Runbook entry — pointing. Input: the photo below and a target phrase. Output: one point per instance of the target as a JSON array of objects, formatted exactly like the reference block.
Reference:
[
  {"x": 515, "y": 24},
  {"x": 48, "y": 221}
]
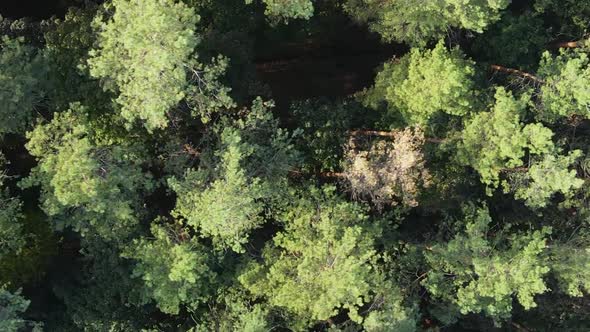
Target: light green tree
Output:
[
  {"x": 22, "y": 77},
  {"x": 321, "y": 263},
  {"x": 391, "y": 314},
  {"x": 570, "y": 263},
  {"x": 290, "y": 9},
  {"x": 86, "y": 184},
  {"x": 145, "y": 54},
  {"x": 425, "y": 82},
  {"x": 564, "y": 91},
  {"x": 405, "y": 21},
  {"x": 550, "y": 175},
  {"x": 497, "y": 140},
  {"x": 173, "y": 269},
  {"x": 225, "y": 198},
  {"x": 482, "y": 273},
  {"x": 225, "y": 210}
]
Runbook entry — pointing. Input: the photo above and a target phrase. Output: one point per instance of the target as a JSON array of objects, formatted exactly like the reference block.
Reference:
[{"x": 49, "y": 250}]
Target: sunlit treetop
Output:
[
  {"x": 88, "y": 185},
  {"x": 321, "y": 263},
  {"x": 565, "y": 89},
  {"x": 224, "y": 198},
  {"x": 482, "y": 274},
  {"x": 283, "y": 10},
  {"x": 172, "y": 267},
  {"x": 498, "y": 139},
  {"x": 405, "y": 21},
  {"x": 547, "y": 176},
  {"x": 144, "y": 51},
  {"x": 425, "y": 82}
]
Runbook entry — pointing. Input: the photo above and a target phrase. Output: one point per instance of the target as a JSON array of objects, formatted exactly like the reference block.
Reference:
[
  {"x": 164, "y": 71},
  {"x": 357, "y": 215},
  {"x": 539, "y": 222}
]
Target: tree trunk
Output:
[
  {"x": 515, "y": 170},
  {"x": 517, "y": 72},
  {"x": 570, "y": 44},
  {"x": 381, "y": 133}
]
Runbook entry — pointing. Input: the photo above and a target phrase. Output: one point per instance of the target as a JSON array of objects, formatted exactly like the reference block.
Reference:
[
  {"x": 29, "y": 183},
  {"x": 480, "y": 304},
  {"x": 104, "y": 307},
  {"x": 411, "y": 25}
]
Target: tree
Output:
[
  {"x": 321, "y": 263},
  {"x": 86, "y": 184},
  {"x": 324, "y": 127},
  {"x": 173, "y": 268},
  {"x": 67, "y": 43},
  {"x": 480, "y": 273},
  {"x": 571, "y": 16},
  {"x": 12, "y": 306},
  {"x": 229, "y": 208},
  {"x": 11, "y": 233},
  {"x": 515, "y": 40},
  {"x": 545, "y": 178},
  {"x": 389, "y": 171},
  {"x": 22, "y": 77},
  {"x": 425, "y": 82},
  {"x": 497, "y": 140},
  {"x": 564, "y": 92},
  {"x": 405, "y": 22},
  {"x": 570, "y": 263},
  {"x": 145, "y": 51},
  {"x": 290, "y": 9},
  {"x": 225, "y": 199}
]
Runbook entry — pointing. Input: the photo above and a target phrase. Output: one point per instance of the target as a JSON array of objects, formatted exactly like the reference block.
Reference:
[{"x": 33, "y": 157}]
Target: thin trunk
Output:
[
  {"x": 570, "y": 44},
  {"x": 381, "y": 133},
  {"x": 519, "y": 327},
  {"x": 517, "y": 72},
  {"x": 515, "y": 170},
  {"x": 332, "y": 175}
]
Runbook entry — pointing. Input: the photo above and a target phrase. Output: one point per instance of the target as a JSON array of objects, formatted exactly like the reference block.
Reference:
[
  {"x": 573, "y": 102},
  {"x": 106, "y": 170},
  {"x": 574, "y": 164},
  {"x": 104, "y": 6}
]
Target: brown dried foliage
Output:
[{"x": 390, "y": 172}]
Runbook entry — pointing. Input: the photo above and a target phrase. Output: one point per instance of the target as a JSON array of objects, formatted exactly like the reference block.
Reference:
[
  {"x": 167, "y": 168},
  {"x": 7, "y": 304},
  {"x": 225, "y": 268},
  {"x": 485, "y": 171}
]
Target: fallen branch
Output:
[
  {"x": 381, "y": 133},
  {"x": 517, "y": 72}
]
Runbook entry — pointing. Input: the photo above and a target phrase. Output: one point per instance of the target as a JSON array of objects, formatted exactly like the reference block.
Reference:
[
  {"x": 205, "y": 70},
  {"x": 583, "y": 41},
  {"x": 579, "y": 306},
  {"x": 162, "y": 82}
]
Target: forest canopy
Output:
[{"x": 295, "y": 165}]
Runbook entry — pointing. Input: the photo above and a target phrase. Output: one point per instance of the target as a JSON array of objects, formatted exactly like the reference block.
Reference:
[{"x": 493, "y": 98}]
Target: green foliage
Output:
[
  {"x": 22, "y": 75},
  {"x": 229, "y": 208},
  {"x": 173, "y": 268},
  {"x": 321, "y": 263},
  {"x": 269, "y": 150},
  {"x": 426, "y": 82},
  {"x": 479, "y": 274},
  {"x": 324, "y": 125},
  {"x": 207, "y": 95},
  {"x": 225, "y": 202},
  {"x": 99, "y": 294},
  {"x": 515, "y": 41},
  {"x": 497, "y": 140},
  {"x": 572, "y": 15},
  {"x": 144, "y": 52},
  {"x": 12, "y": 306},
  {"x": 288, "y": 9},
  {"x": 228, "y": 214},
  {"x": 571, "y": 265},
  {"x": 390, "y": 315},
  {"x": 11, "y": 233},
  {"x": 564, "y": 92},
  {"x": 404, "y": 21},
  {"x": 235, "y": 312},
  {"x": 85, "y": 184},
  {"x": 545, "y": 178},
  {"x": 67, "y": 43}
]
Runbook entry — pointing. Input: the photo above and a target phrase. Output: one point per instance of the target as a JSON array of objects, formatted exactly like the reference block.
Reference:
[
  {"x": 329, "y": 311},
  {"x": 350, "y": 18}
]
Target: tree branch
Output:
[
  {"x": 381, "y": 133},
  {"x": 517, "y": 72}
]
